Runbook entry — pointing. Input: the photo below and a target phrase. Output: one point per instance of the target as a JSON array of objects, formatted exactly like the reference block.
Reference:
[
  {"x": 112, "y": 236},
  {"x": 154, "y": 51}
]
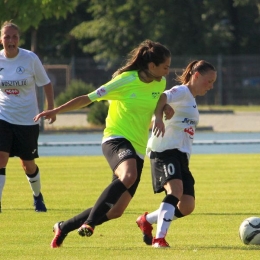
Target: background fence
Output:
[{"x": 238, "y": 81}]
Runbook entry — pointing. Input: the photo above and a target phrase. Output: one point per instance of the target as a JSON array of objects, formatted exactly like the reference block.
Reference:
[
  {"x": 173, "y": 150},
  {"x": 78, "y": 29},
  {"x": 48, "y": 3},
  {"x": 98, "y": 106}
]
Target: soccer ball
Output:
[{"x": 249, "y": 231}]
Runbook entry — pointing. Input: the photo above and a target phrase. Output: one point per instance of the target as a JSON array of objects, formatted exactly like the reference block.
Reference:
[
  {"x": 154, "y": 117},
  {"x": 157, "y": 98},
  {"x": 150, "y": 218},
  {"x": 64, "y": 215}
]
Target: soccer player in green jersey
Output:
[{"x": 133, "y": 93}]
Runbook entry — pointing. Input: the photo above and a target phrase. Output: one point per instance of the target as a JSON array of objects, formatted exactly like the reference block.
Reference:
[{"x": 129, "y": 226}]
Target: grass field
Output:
[{"x": 227, "y": 192}]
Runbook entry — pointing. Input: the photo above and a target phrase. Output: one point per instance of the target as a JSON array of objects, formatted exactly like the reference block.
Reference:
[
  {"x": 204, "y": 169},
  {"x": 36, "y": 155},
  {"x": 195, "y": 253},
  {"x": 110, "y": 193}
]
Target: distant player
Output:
[
  {"x": 170, "y": 154},
  {"x": 20, "y": 71}
]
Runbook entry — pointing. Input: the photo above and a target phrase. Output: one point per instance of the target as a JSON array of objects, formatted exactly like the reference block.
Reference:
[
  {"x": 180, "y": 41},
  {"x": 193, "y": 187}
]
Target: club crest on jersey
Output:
[
  {"x": 155, "y": 94},
  {"x": 101, "y": 91},
  {"x": 20, "y": 70}
]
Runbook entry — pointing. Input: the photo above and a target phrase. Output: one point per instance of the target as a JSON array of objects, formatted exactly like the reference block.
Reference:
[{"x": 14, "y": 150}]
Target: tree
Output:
[
  {"x": 201, "y": 27},
  {"x": 28, "y": 14}
]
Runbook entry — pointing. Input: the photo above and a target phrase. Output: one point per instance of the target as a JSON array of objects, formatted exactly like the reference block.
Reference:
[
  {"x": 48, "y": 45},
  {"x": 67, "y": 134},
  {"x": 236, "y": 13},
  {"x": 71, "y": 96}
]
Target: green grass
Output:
[{"x": 227, "y": 192}]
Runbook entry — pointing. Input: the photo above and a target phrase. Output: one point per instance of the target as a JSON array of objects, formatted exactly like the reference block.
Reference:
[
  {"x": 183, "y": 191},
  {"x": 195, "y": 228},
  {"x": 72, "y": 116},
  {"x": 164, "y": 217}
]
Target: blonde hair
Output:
[
  {"x": 201, "y": 66},
  {"x": 10, "y": 24}
]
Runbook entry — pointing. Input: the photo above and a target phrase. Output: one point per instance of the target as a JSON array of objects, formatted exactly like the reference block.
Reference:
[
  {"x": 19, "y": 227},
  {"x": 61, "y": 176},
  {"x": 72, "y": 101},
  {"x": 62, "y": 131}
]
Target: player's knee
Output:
[{"x": 129, "y": 179}]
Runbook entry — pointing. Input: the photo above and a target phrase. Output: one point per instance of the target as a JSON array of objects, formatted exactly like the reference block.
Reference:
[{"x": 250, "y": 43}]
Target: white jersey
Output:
[
  {"x": 18, "y": 78},
  {"x": 180, "y": 129}
]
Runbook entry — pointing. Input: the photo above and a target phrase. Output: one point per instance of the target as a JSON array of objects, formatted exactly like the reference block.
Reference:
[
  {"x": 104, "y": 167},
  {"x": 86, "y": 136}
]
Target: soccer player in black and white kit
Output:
[
  {"x": 20, "y": 71},
  {"x": 169, "y": 149}
]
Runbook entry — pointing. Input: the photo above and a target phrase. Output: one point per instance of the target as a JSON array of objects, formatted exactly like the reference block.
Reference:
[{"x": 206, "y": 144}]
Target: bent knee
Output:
[{"x": 129, "y": 180}]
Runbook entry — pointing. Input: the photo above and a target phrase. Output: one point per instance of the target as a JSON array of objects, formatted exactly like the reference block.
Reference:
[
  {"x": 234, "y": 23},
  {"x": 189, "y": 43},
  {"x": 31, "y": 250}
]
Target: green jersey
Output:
[{"x": 132, "y": 104}]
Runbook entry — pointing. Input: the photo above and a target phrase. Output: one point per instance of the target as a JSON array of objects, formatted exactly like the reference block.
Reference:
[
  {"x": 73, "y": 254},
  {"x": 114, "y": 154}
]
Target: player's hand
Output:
[
  {"x": 47, "y": 115},
  {"x": 158, "y": 127},
  {"x": 52, "y": 119},
  {"x": 168, "y": 112}
]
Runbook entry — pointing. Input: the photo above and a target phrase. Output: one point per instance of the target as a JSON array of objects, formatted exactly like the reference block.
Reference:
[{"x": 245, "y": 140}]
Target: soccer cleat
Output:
[
  {"x": 146, "y": 228},
  {"x": 85, "y": 230},
  {"x": 39, "y": 203},
  {"x": 58, "y": 236},
  {"x": 160, "y": 242}
]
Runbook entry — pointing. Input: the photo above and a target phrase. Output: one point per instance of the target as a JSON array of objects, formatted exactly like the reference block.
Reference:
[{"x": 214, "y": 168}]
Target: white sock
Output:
[
  {"x": 2, "y": 184},
  {"x": 165, "y": 217},
  {"x": 152, "y": 217},
  {"x": 35, "y": 184}
]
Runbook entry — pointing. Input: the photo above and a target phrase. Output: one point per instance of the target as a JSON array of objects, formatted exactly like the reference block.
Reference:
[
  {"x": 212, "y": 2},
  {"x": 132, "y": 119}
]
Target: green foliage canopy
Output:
[
  {"x": 28, "y": 13},
  {"x": 186, "y": 27}
]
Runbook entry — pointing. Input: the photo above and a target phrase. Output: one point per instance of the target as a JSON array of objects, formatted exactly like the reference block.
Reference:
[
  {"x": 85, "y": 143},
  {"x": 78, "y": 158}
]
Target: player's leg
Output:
[
  {"x": 3, "y": 162},
  {"x": 122, "y": 159},
  {"x": 6, "y": 140},
  {"x": 33, "y": 176},
  {"x": 166, "y": 211},
  {"x": 186, "y": 206},
  {"x": 26, "y": 147},
  {"x": 166, "y": 176},
  {"x": 61, "y": 229}
]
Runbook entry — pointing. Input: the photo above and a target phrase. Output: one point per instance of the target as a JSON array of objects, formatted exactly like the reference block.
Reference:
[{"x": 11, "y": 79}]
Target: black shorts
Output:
[
  {"x": 168, "y": 165},
  {"x": 19, "y": 140},
  {"x": 118, "y": 150}
]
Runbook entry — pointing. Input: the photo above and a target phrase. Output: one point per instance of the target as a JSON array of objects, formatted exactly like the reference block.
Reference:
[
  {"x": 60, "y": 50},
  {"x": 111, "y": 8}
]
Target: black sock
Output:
[
  {"x": 105, "y": 202},
  {"x": 178, "y": 214},
  {"x": 2, "y": 171},
  {"x": 75, "y": 222},
  {"x": 102, "y": 220}
]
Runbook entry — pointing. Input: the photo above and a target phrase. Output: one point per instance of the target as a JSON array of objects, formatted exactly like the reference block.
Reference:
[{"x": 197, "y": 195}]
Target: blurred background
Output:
[{"x": 88, "y": 39}]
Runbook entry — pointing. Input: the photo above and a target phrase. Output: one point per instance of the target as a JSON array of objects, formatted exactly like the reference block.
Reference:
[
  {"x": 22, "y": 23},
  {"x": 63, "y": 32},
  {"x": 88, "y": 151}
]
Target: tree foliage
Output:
[
  {"x": 186, "y": 27},
  {"x": 75, "y": 88},
  {"x": 109, "y": 29},
  {"x": 28, "y": 13}
]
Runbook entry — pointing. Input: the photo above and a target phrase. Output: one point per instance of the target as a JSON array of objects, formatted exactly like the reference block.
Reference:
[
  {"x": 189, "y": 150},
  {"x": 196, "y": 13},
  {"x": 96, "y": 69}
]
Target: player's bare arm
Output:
[
  {"x": 76, "y": 103},
  {"x": 158, "y": 126}
]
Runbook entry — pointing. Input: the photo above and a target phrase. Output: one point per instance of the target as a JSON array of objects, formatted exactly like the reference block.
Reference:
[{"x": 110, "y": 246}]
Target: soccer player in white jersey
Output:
[
  {"x": 20, "y": 72},
  {"x": 133, "y": 93},
  {"x": 169, "y": 149}
]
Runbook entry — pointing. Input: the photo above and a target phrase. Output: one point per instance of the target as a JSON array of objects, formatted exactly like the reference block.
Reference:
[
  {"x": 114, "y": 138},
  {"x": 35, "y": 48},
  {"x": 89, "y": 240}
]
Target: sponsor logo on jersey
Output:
[
  {"x": 101, "y": 91},
  {"x": 188, "y": 121},
  {"x": 189, "y": 130},
  {"x": 20, "y": 70},
  {"x": 194, "y": 106},
  {"x": 124, "y": 153},
  {"x": 12, "y": 91},
  {"x": 155, "y": 94},
  {"x": 14, "y": 83},
  {"x": 1, "y": 69}
]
